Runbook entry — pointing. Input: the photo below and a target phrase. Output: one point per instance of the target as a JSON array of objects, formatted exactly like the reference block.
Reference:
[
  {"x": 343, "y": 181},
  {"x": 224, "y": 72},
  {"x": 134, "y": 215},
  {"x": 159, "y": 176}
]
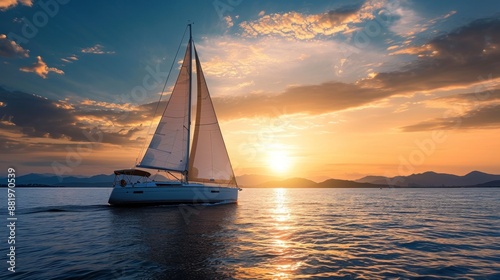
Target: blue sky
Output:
[
  {"x": 134, "y": 35},
  {"x": 328, "y": 68}
]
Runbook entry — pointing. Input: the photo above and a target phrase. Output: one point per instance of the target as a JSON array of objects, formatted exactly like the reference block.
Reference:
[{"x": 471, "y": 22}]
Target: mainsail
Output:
[
  {"x": 168, "y": 149},
  {"x": 209, "y": 160}
]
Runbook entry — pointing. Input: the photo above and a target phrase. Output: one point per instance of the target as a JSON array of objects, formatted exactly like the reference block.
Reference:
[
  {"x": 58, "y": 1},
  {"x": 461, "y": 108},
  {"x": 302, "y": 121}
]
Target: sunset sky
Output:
[{"x": 313, "y": 89}]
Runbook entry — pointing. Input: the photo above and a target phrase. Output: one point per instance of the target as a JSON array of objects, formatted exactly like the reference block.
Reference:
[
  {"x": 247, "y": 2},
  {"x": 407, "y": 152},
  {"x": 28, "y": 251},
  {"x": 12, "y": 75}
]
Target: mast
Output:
[{"x": 190, "y": 71}]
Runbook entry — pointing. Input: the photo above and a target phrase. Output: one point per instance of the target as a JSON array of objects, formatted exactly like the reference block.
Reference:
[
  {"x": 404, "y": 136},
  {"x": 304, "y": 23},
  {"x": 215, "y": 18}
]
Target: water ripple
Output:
[{"x": 270, "y": 234}]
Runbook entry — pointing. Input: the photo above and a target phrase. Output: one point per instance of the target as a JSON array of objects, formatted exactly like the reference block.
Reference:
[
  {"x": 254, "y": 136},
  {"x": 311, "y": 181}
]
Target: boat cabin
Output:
[{"x": 130, "y": 177}]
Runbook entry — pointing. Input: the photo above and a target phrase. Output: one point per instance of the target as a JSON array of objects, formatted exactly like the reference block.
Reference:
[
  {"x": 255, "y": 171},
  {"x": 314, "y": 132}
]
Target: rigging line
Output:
[{"x": 161, "y": 96}]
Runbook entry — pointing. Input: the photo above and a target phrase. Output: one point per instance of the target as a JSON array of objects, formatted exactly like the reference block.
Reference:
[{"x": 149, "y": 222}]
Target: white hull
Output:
[{"x": 174, "y": 193}]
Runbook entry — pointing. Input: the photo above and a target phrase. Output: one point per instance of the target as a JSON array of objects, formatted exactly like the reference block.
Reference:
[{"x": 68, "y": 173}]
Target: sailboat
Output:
[{"x": 201, "y": 170}]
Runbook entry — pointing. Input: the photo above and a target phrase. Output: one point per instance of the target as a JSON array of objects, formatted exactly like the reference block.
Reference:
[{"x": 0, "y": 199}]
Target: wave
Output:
[{"x": 63, "y": 208}]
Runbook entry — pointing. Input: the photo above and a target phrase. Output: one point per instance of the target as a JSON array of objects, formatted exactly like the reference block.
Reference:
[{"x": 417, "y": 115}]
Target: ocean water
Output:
[{"x": 71, "y": 233}]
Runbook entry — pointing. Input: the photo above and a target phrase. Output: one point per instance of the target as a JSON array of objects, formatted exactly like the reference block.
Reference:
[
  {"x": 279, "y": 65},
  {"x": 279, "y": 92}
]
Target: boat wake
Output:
[
  {"x": 63, "y": 208},
  {"x": 218, "y": 203}
]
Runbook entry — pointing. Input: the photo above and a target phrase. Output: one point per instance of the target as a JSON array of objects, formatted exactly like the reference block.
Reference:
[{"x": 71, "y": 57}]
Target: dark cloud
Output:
[
  {"x": 474, "y": 97},
  {"x": 467, "y": 55},
  {"x": 9, "y": 48},
  {"x": 150, "y": 109},
  {"x": 341, "y": 14},
  {"x": 116, "y": 117},
  {"x": 478, "y": 40},
  {"x": 484, "y": 117},
  {"x": 35, "y": 116}
]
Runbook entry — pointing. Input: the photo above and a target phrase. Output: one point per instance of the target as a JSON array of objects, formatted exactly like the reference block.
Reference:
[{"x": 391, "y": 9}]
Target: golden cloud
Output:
[
  {"x": 421, "y": 51},
  {"x": 7, "y": 4},
  {"x": 101, "y": 105},
  {"x": 304, "y": 27},
  {"x": 41, "y": 69}
]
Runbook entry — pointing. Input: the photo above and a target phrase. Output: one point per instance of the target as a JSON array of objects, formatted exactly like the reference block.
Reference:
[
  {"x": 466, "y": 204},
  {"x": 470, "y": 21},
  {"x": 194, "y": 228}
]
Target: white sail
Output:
[
  {"x": 209, "y": 160},
  {"x": 168, "y": 149}
]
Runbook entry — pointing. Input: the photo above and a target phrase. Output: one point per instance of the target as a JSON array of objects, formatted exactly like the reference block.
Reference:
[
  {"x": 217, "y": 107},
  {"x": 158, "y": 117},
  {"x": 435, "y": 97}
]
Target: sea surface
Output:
[{"x": 71, "y": 233}]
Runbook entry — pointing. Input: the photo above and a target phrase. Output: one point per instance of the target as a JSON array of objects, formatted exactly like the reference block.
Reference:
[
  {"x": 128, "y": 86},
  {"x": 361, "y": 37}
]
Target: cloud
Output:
[
  {"x": 304, "y": 27},
  {"x": 63, "y": 121},
  {"x": 308, "y": 99},
  {"x": 465, "y": 56},
  {"x": 268, "y": 61},
  {"x": 7, "y": 4},
  {"x": 70, "y": 58},
  {"x": 10, "y": 48},
  {"x": 487, "y": 117},
  {"x": 421, "y": 51},
  {"x": 473, "y": 97},
  {"x": 229, "y": 21},
  {"x": 275, "y": 64},
  {"x": 463, "y": 111},
  {"x": 41, "y": 69},
  {"x": 56, "y": 122},
  {"x": 408, "y": 23},
  {"x": 97, "y": 49},
  {"x": 475, "y": 40}
]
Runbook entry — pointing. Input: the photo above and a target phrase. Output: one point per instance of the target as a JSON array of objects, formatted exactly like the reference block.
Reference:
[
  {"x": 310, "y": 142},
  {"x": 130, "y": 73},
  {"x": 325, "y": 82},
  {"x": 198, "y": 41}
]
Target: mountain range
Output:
[
  {"x": 432, "y": 179},
  {"x": 426, "y": 179}
]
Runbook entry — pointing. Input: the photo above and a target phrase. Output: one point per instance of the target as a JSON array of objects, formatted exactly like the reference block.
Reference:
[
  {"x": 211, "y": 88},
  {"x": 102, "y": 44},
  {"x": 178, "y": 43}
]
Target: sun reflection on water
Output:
[
  {"x": 282, "y": 231},
  {"x": 281, "y": 210}
]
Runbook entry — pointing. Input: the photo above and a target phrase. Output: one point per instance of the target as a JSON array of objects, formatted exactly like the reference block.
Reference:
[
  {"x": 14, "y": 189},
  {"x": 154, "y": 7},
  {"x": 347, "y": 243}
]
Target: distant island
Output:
[{"x": 428, "y": 179}]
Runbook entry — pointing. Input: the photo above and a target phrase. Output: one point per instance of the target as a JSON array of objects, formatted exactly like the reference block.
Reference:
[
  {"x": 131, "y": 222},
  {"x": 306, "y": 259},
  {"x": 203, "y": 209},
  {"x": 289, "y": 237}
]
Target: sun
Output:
[{"x": 279, "y": 161}]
